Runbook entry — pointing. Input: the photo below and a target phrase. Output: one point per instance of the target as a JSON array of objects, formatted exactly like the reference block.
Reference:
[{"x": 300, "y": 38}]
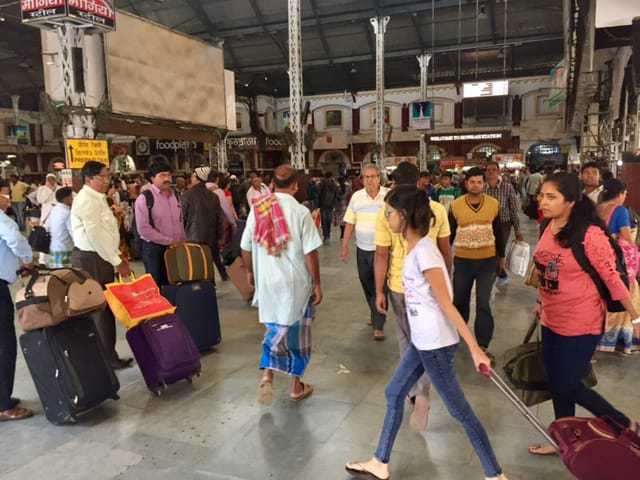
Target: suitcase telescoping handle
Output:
[{"x": 488, "y": 372}]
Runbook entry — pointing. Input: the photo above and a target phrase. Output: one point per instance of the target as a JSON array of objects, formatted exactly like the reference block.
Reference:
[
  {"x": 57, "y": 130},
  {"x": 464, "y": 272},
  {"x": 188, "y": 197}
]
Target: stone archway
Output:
[{"x": 334, "y": 161}]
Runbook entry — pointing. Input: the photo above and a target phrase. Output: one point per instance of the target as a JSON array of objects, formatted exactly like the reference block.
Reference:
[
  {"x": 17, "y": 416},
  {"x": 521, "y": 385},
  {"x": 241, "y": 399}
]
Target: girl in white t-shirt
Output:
[{"x": 436, "y": 328}]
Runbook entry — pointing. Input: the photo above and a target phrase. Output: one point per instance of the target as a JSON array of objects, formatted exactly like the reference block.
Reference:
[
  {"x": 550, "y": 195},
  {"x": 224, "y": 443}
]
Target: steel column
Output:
[
  {"x": 380, "y": 28},
  {"x": 81, "y": 121},
  {"x": 423, "y": 61},
  {"x": 222, "y": 153},
  {"x": 296, "y": 86}
]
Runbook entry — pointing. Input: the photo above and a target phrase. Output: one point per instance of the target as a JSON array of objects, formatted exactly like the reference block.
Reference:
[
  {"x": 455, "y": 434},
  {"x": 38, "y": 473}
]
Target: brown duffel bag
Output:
[{"x": 51, "y": 297}]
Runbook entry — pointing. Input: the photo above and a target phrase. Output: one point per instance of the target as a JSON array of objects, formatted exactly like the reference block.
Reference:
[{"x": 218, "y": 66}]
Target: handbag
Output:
[
  {"x": 518, "y": 258},
  {"x": 51, "y": 297},
  {"x": 137, "y": 300},
  {"x": 40, "y": 239},
  {"x": 524, "y": 367}
]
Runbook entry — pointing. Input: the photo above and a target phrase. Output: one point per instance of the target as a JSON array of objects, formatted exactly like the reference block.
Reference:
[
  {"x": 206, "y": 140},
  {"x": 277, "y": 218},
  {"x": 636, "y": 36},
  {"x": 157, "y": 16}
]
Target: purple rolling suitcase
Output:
[{"x": 165, "y": 352}]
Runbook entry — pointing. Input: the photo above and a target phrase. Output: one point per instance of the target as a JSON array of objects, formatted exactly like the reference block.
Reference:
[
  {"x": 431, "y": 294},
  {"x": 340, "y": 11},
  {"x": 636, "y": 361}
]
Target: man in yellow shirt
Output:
[
  {"x": 391, "y": 249},
  {"x": 18, "y": 199}
]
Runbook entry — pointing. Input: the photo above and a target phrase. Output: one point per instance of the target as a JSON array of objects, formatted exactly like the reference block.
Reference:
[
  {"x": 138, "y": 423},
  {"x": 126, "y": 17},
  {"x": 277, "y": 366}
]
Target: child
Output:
[
  {"x": 436, "y": 327},
  {"x": 447, "y": 192}
]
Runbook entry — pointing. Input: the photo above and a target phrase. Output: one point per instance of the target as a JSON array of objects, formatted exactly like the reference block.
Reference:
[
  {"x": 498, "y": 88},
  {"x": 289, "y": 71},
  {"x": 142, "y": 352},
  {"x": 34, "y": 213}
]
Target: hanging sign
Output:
[
  {"x": 486, "y": 89},
  {"x": 79, "y": 152},
  {"x": 96, "y": 12},
  {"x": 40, "y": 10},
  {"x": 86, "y": 13}
]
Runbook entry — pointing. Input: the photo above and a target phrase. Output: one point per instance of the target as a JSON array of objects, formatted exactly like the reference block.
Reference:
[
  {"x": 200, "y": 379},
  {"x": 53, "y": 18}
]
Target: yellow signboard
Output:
[{"x": 81, "y": 151}]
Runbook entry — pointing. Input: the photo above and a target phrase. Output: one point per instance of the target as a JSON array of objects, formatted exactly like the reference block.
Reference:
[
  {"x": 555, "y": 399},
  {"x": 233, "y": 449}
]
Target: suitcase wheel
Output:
[
  {"x": 115, "y": 397},
  {"x": 190, "y": 379},
  {"x": 158, "y": 392}
]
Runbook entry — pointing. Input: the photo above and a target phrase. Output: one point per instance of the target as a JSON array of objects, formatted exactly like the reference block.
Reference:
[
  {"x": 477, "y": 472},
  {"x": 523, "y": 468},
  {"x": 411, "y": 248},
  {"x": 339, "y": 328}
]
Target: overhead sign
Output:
[
  {"x": 79, "y": 152},
  {"x": 486, "y": 89},
  {"x": 96, "y": 13},
  {"x": 40, "y": 10},
  {"x": 470, "y": 136}
]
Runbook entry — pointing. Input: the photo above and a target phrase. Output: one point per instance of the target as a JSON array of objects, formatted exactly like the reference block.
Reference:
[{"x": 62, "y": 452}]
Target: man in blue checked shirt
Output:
[{"x": 14, "y": 252}]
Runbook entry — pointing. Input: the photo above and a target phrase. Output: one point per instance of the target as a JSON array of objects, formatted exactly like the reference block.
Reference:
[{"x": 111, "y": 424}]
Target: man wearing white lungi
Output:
[{"x": 279, "y": 246}]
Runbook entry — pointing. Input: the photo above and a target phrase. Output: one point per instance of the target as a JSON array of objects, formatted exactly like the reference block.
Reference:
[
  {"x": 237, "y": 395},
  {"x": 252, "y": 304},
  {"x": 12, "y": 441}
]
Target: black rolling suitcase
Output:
[
  {"x": 69, "y": 368},
  {"x": 197, "y": 307}
]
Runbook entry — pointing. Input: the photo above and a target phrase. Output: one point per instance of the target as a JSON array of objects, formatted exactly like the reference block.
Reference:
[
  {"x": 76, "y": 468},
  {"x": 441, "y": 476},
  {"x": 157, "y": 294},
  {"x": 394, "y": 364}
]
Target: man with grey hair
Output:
[{"x": 361, "y": 216}]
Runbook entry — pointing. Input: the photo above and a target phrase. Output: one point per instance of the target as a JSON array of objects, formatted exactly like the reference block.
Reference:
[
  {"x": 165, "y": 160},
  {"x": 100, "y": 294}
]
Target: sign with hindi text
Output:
[{"x": 80, "y": 151}]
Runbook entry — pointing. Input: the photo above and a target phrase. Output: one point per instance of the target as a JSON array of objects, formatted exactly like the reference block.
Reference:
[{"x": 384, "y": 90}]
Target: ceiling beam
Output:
[
  {"x": 491, "y": 6},
  {"x": 482, "y": 45},
  {"x": 263, "y": 27},
  {"x": 333, "y": 19},
  {"x": 416, "y": 27},
  {"x": 323, "y": 37}
]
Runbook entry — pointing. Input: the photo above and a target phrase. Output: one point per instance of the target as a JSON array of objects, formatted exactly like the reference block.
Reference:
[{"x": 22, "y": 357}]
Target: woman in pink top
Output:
[{"x": 572, "y": 312}]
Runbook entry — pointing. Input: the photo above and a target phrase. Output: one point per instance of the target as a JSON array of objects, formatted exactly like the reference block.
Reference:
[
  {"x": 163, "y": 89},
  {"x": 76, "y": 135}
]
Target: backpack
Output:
[
  {"x": 136, "y": 249},
  {"x": 613, "y": 306}
]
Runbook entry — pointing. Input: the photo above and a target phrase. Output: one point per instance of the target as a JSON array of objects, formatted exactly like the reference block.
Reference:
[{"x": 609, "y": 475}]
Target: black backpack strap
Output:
[
  {"x": 148, "y": 196},
  {"x": 543, "y": 226},
  {"x": 28, "y": 291}
]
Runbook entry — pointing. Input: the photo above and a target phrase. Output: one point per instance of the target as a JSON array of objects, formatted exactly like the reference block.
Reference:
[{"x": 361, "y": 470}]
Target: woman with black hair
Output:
[
  {"x": 436, "y": 327},
  {"x": 621, "y": 334},
  {"x": 572, "y": 310}
]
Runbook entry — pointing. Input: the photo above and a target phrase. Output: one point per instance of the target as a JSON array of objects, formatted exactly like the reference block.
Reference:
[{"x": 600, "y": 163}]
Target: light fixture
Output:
[
  {"x": 11, "y": 156},
  {"x": 2, "y": 19},
  {"x": 620, "y": 163}
]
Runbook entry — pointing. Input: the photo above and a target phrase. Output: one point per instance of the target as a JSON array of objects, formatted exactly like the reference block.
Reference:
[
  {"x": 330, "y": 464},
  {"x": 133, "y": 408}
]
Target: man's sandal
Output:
[
  {"x": 16, "y": 413},
  {"x": 307, "y": 390}
]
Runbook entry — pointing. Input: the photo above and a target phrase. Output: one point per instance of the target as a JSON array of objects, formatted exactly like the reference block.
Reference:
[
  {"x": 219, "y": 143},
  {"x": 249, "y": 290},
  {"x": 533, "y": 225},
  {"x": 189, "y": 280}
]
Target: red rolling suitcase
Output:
[
  {"x": 591, "y": 448},
  {"x": 165, "y": 352}
]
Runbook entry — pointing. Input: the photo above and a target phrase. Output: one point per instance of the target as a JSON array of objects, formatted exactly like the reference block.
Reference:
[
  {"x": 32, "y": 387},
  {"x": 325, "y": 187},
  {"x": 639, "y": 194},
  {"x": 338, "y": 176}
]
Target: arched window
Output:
[
  {"x": 486, "y": 150},
  {"x": 435, "y": 154}
]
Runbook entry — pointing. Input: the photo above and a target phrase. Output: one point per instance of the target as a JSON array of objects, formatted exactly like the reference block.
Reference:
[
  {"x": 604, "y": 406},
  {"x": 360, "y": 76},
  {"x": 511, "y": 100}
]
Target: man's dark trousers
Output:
[
  {"x": 326, "y": 215},
  {"x": 153, "y": 259},
  {"x": 366, "y": 273},
  {"x": 483, "y": 274},
  {"x": 102, "y": 272},
  {"x": 8, "y": 347}
]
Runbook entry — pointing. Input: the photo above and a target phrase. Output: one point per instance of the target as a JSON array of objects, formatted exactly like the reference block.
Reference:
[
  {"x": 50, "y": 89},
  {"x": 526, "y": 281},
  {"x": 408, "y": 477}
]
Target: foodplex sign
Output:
[{"x": 99, "y": 13}]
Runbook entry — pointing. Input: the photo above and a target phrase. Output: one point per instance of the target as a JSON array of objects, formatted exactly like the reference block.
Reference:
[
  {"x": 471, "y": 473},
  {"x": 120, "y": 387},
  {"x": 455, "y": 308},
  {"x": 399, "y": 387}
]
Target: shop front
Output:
[{"x": 449, "y": 150}]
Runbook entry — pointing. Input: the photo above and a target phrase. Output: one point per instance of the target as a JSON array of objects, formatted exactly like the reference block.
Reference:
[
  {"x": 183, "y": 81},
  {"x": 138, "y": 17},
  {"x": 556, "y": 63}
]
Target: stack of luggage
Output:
[
  {"x": 190, "y": 271},
  {"x": 159, "y": 340},
  {"x": 61, "y": 347}
]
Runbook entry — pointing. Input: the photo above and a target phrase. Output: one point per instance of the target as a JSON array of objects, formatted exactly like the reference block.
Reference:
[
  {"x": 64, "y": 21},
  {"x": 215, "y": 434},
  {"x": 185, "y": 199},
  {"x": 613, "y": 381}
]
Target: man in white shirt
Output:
[
  {"x": 590, "y": 177},
  {"x": 97, "y": 247},
  {"x": 46, "y": 197},
  {"x": 361, "y": 217},
  {"x": 257, "y": 189},
  {"x": 59, "y": 226}
]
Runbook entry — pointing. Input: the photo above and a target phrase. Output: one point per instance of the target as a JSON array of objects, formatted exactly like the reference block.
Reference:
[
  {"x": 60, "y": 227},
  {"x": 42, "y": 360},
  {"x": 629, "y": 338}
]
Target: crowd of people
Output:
[{"x": 423, "y": 245}]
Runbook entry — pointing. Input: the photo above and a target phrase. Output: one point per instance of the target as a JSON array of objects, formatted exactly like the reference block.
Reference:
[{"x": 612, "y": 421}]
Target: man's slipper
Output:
[
  {"x": 542, "y": 450},
  {"x": 307, "y": 390},
  {"x": 16, "y": 413},
  {"x": 265, "y": 393},
  {"x": 357, "y": 470}
]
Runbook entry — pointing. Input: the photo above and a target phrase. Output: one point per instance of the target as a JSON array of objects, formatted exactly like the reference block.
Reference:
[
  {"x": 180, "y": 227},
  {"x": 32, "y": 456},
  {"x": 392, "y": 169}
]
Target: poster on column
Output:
[
  {"x": 34, "y": 11},
  {"x": 81, "y": 151},
  {"x": 99, "y": 13}
]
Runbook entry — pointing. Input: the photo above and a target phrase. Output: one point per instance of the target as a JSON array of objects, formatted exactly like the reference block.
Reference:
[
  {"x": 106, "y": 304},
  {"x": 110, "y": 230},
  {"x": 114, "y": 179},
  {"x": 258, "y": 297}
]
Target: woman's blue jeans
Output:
[{"x": 438, "y": 364}]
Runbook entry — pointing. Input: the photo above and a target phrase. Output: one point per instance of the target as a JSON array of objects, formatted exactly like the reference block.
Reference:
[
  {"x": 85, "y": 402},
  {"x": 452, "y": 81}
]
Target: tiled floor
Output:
[{"x": 214, "y": 429}]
